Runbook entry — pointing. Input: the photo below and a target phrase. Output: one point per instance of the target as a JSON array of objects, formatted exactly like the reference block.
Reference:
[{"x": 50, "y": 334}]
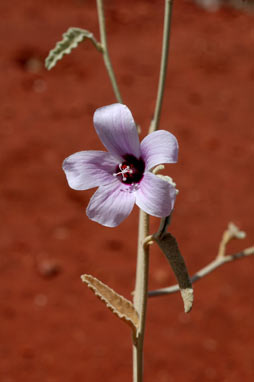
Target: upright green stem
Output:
[
  {"x": 141, "y": 287},
  {"x": 105, "y": 52},
  {"x": 163, "y": 69},
  {"x": 140, "y": 295}
]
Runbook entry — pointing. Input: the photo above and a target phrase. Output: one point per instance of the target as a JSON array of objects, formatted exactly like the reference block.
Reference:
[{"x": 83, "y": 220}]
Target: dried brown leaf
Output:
[{"x": 169, "y": 247}]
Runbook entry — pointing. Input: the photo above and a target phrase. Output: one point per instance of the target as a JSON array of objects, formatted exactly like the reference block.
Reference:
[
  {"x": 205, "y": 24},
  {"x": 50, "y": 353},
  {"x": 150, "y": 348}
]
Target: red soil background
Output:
[{"x": 52, "y": 327}]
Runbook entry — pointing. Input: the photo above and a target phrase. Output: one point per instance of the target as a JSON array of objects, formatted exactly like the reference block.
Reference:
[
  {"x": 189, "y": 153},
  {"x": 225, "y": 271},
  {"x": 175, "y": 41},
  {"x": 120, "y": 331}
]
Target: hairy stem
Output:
[
  {"x": 141, "y": 287},
  {"x": 140, "y": 295},
  {"x": 219, "y": 261},
  {"x": 105, "y": 52},
  {"x": 163, "y": 69}
]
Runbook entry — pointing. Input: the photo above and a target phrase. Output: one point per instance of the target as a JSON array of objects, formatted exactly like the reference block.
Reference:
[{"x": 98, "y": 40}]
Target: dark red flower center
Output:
[{"x": 131, "y": 170}]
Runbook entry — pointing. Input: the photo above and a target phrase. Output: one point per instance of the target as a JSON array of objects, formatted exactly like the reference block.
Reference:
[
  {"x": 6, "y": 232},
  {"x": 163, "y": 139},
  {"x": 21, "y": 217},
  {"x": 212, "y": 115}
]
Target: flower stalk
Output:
[
  {"x": 105, "y": 52},
  {"x": 164, "y": 63}
]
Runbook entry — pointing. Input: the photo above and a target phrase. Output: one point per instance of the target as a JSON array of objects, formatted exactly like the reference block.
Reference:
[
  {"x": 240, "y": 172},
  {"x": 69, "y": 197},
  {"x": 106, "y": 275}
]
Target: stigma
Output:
[{"x": 124, "y": 170}]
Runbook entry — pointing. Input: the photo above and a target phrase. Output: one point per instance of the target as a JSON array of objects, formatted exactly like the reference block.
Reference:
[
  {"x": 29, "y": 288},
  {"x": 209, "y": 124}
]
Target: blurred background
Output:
[{"x": 52, "y": 327}]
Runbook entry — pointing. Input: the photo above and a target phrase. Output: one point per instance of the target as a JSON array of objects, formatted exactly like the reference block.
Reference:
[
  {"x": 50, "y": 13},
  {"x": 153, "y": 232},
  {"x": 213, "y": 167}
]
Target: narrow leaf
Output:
[
  {"x": 119, "y": 305},
  {"x": 169, "y": 247},
  {"x": 71, "y": 39}
]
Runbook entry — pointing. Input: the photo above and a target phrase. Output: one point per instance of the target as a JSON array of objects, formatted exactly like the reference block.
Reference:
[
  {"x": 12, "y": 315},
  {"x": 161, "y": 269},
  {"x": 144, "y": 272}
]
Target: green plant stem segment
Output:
[
  {"x": 164, "y": 62},
  {"x": 106, "y": 58},
  {"x": 140, "y": 295},
  {"x": 141, "y": 287}
]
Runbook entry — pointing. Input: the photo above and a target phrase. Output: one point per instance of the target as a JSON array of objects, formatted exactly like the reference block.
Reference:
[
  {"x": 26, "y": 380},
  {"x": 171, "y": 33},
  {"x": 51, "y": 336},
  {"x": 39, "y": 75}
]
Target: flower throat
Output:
[{"x": 131, "y": 170}]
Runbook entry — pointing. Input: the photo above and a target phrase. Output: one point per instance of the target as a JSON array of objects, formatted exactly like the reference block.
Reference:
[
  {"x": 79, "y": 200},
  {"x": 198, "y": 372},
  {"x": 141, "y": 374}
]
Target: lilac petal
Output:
[
  {"x": 155, "y": 196},
  {"x": 111, "y": 204},
  {"x": 88, "y": 169},
  {"x": 159, "y": 147},
  {"x": 117, "y": 131}
]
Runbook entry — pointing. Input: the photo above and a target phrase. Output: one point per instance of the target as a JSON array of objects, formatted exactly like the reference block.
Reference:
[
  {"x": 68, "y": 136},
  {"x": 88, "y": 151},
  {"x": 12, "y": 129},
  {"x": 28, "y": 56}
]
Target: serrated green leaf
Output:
[{"x": 71, "y": 39}]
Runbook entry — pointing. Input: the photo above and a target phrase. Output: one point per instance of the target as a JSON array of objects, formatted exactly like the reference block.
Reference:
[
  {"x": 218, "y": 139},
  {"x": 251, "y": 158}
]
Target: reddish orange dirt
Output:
[{"x": 52, "y": 327}]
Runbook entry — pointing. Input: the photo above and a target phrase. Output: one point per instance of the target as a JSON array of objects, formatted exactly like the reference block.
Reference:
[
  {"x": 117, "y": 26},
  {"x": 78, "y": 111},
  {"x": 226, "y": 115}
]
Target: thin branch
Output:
[
  {"x": 205, "y": 271},
  {"x": 232, "y": 232},
  {"x": 163, "y": 69},
  {"x": 105, "y": 52}
]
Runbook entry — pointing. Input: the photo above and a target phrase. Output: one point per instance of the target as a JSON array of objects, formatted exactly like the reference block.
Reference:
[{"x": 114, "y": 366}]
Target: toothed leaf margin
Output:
[{"x": 70, "y": 40}]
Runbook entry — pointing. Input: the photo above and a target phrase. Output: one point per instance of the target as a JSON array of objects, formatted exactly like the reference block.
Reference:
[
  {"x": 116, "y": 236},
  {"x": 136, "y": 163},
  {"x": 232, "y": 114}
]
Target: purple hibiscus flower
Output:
[{"x": 122, "y": 173}]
